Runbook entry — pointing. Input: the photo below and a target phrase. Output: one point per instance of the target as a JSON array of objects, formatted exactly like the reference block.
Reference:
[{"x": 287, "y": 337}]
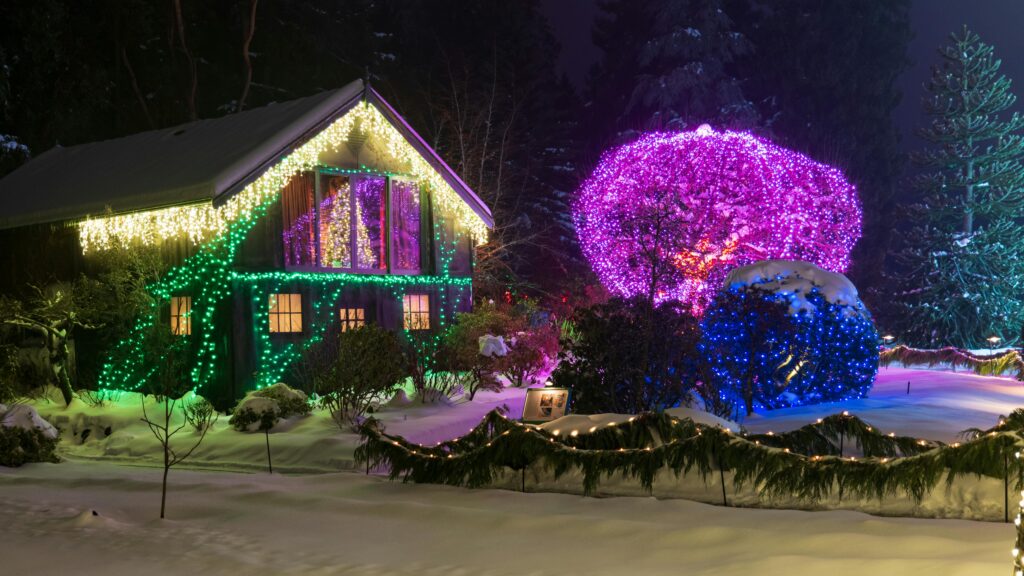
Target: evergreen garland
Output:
[
  {"x": 991, "y": 365},
  {"x": 804, "y": 464}
]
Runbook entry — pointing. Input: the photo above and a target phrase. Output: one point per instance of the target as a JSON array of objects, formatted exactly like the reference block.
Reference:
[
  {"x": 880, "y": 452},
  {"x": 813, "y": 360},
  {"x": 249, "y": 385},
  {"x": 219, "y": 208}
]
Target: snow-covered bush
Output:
[
  {"x": 268, "y": 405},
  {"x": 290, "y": 402},
  {"x": 26, "y": 437},
  {"x": 255, "y": 413},
  {"x": 785, "y": 333}
]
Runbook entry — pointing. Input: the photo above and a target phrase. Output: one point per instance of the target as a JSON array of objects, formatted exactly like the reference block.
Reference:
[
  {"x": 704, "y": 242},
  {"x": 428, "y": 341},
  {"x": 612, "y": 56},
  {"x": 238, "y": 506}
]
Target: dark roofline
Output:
[
  {"x": 254, "y": 173},
  {"x": 243, "y": 170}
]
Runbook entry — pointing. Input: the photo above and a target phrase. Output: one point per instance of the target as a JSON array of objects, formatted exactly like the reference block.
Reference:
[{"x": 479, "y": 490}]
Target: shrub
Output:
[
  {"x": 290, "y": 401},
  {"x": 26, "y": 437},
  {"x": 199, "y": 413},
  {"x": 528, "y": 354},
  {"x": 764, "y": 354},
  {"x": 255, "y": 409},
  {"x": 366, "y": 370},
  {"x": 462, "y": 347},
  {"x": 9, "y": 372},
  {"x": 20, "y": 446},
  {"x": 630, "y": 357},
  {"x": 268, "y": 405}
]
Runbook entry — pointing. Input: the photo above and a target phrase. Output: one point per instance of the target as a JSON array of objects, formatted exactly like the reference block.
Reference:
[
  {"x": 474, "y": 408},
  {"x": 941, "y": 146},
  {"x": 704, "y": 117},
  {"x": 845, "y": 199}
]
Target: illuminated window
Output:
[
  {"x": 285, "y": 313},
  {"x": 352, "y": 221},
  {"x": 352, "y": 318},
  {"x": 405, "y": 226},
  {"x": 181, "y": 315},
  {"x": 416, "y": 311}
]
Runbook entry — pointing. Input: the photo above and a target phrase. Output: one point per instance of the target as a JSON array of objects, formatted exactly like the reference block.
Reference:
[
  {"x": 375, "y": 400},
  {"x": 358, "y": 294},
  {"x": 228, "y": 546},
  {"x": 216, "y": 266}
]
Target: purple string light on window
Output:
[{"x": 671, "y": 213}]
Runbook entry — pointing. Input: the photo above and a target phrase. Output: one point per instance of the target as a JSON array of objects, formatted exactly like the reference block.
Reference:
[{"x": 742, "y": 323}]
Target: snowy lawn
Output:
[
  {"x": 346, "y": 523},
  {"x": 310, "y": 444},
  {"x": 939, "y": 406}
]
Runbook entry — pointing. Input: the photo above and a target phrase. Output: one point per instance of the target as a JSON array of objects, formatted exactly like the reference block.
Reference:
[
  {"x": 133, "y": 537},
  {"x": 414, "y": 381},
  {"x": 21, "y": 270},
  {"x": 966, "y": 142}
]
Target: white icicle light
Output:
[{"x": 199, "y": 222}]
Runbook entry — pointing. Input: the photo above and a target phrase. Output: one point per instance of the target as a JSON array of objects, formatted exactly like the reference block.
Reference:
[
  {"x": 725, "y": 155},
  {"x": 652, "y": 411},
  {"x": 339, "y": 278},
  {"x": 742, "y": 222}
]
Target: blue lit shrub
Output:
[{"x": 762, "y": 355}]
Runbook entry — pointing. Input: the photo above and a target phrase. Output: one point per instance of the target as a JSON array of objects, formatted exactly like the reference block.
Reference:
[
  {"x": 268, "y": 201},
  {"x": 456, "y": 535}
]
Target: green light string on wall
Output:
[{"x": 208, "y": 277}]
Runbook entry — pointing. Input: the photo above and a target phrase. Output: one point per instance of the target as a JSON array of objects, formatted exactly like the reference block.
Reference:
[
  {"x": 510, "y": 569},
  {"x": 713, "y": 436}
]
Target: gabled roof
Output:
[{"x": 200, "y": 161}]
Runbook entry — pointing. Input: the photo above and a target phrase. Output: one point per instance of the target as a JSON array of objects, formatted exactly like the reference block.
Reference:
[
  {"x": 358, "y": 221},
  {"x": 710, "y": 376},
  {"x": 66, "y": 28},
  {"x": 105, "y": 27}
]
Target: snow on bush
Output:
[
  {"x": 25, "y": 436},
  {"x": 796, "y": 281},
  {"x": 492, "y": 346},
  {"x": 261, "y": 409}
]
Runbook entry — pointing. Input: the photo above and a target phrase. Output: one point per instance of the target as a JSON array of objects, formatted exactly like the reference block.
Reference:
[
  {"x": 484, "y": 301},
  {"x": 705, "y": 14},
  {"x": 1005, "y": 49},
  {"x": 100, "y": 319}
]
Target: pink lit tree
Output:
[{"x": 667, "y": 216}]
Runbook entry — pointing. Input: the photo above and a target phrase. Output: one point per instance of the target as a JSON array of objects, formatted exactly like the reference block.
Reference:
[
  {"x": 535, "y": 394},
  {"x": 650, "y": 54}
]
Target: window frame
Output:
[
  {"x": 186, "y": 316},
  {"x": 320, "y": 175},
  {"x": 273, "y": 298},
  {"x": 408, "y": 315},
  {"x": 347, "y": 322}
]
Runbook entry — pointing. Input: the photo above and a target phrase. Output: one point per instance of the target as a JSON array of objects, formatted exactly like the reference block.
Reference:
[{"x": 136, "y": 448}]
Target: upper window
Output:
[
  {"x": 343, "y": 223},
  {"x": 297, "y": 201},
  {"x": 352, "y": 318},
  {"x": 416, "y": 311},
  {"x": 405, "y": 226},
  {"x": 285, "y": 313},
  {"x": 181, "y": 315},
  {"x": 353, "y": 220}
]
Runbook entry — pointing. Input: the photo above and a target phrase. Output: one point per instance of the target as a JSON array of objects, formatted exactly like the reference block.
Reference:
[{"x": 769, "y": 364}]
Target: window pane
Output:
[
  {"x": 335, "y": 223},
  {"x": 405, "y": 219},
  {"x": 297, "y": 212},
  {"x": 285, "y": 314},
  {"x": 181, "y": 317},
  {"x": 370, "y": 219},
  {"x": 416, "y": 311}
]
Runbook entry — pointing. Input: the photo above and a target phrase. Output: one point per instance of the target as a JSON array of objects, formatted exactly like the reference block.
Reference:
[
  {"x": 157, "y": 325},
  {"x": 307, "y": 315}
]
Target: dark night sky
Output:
[{"x": 997, "y": 21}]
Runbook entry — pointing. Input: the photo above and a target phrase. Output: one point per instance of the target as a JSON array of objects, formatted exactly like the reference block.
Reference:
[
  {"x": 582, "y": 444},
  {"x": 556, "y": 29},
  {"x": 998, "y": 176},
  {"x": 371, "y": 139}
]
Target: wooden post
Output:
[
  {"x": 721, "y": 473},
  {"x": 1006, "y": 486},
  {"x": 908, "y": 387},
  {"x": 266, "y": 432}
]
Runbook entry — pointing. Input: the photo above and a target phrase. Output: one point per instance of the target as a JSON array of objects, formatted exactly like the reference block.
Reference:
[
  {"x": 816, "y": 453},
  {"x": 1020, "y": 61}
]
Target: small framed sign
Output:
[{"x": 545, "y": 404}]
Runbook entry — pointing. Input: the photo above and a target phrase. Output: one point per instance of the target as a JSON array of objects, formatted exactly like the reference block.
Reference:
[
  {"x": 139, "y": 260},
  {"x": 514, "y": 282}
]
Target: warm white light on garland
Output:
[{"x": 199, "y": 222}]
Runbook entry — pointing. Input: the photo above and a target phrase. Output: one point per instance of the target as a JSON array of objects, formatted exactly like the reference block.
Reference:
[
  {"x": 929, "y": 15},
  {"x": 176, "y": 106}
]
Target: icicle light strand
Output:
[{"x": 199, "y": 222}]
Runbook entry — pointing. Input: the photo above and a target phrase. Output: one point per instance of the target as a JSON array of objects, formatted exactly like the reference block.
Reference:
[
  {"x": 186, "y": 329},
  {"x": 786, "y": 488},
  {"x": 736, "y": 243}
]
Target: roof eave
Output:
[{"x": 461, "y": 188}]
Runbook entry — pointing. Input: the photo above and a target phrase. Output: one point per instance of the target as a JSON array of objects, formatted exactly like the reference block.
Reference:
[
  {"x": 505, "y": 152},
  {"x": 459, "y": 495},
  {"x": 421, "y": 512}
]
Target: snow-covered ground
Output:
[
  {"x": 940, "y": 404},
  {"x": 350, "y": 524},
  {"x": 232, "y": 517},
  {"x": 312, "y": 444}
]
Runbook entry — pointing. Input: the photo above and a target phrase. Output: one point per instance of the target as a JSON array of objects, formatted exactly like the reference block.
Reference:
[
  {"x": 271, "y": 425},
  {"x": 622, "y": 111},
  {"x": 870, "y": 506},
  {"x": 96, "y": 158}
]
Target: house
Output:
[{"x": 279, "y": 222}]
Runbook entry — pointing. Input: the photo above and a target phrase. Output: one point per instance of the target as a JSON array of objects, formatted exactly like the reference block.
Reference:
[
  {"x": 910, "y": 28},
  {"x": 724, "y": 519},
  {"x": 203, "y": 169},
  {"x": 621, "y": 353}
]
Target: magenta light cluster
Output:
[{"x": 702, "y": 202}]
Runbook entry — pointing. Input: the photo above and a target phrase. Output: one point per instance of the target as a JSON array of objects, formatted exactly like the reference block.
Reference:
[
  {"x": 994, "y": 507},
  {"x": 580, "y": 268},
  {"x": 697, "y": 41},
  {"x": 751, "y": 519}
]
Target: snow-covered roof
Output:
[{"x": 199, "y": 161}]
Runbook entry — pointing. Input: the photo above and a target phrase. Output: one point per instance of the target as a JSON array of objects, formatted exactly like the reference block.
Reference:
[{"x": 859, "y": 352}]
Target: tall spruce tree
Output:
[
  {"x": 962, "y": 257},
  {"x": 666, "y": 65}
]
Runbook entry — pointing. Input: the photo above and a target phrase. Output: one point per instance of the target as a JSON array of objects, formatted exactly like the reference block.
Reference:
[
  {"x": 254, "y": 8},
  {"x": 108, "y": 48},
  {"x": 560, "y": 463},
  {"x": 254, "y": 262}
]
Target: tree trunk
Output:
[
  {"x": 968, "y": 198},
  {"x": 163, "y": 494},
  {"x": 64, "y": 382}
]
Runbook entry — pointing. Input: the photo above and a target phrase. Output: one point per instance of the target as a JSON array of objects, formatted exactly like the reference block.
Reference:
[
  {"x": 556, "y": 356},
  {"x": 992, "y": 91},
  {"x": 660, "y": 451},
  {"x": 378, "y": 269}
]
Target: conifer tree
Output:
[{"x": 961, "y": 261}]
